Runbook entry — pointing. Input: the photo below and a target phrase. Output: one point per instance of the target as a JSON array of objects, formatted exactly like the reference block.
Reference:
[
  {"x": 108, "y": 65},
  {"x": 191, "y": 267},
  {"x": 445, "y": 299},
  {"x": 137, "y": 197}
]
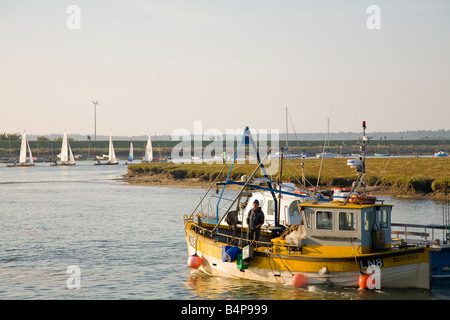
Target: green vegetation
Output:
[
  {"x": 10, "y": 136},
  {"x": 401, "y": 176}
]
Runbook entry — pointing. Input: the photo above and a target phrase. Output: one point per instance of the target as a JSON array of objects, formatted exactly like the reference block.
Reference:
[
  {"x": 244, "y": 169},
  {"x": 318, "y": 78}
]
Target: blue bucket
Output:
[
  {"x": 231, "y": 254},
  {"x": 224, "y": 253}
]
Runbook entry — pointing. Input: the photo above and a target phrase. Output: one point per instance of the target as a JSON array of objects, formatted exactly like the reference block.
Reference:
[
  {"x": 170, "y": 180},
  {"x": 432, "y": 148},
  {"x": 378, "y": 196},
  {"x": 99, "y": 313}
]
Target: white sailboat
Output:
[
  {"x": 325, "y": 154},
  {"x": 148, "y": 156},
  {"x": 66, "y": 156},
  {"x": 130, "y": 154},
  {"x": 24, "y": 161},
  {"x": 111, "y": 155}
]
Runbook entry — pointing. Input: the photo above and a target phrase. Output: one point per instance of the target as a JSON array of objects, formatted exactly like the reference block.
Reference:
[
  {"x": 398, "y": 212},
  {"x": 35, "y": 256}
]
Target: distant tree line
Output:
[
  {"x": 17, "y": 136},
  {"x": 10, "y": 136}
]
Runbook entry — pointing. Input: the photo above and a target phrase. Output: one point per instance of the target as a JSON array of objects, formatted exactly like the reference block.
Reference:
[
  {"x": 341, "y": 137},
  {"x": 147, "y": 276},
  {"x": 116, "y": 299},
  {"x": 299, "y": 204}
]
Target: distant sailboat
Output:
[
  {"x": 111, "y": 155},
  {"x": 66, "y": 158},
  {"x": 23, "y": 160},
  {"x": 131, "y": 154},
  {"x": 380, "y": 154},
  {"x": 148, "y": 156},
  {"x": 325, "y": 154}
]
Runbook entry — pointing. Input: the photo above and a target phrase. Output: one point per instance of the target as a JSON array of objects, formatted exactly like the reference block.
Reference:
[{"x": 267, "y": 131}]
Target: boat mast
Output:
[
  {"x": 287, "y": 133},
  {"x": 280, "y": 181},
  {"x": 363, "y": 174},
  {"x": 260, "y": 165}
]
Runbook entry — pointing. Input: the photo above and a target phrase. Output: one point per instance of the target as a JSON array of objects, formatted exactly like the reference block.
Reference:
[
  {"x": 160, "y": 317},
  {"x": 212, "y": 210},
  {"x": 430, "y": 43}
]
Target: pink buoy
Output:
[
  {"x": 299, "y": 280},
  {"x": 194, "y": 261}
]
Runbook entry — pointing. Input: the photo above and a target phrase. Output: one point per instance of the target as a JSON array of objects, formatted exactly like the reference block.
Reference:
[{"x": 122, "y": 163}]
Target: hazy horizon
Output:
[{"x": 157, "y": 66}]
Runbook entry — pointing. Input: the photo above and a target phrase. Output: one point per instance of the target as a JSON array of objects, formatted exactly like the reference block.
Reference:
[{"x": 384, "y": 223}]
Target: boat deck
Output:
[
  {"x": 419, "y": 234},
  {"x": 230, "y": 236}
]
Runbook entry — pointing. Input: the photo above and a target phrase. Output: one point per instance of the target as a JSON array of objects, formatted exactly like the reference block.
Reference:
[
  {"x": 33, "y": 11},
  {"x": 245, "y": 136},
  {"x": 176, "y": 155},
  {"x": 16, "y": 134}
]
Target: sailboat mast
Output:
[{"x": 287, "y": 131}]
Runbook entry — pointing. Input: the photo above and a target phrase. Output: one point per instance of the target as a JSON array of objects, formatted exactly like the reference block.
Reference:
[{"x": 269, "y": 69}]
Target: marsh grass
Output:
[{"x": 400, "y": 175}]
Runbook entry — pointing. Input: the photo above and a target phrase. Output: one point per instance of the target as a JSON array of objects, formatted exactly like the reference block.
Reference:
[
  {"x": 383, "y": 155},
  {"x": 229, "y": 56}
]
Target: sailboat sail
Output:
[
  {"x": 112, "y": 154},
  {"x": 64, "y": 149},
  {"x": 148, "y": 157},
  {"x": 29, "y": 154},
  {"x": 71, "y": 158},
  {"x": 23, "y": 149},
  {"x": 130, "y": 155}
]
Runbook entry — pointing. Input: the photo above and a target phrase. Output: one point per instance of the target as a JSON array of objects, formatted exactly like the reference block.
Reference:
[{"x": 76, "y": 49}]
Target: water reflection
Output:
[
  {"x": 214, "y": 287},
  {"x": 208, "y": 287}
]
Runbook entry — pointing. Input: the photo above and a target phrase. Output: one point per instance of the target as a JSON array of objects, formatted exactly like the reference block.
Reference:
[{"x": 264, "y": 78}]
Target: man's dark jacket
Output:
[{"x": 254, "y": 218}]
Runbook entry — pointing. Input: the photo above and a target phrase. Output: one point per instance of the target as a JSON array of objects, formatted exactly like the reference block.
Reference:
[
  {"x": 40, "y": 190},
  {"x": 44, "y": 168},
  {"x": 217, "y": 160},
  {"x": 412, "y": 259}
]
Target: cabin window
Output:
[
  {"x": 308, "y": 215},
  {"x": 383, "y": 219},
  {"x": 270, "y": 207},
  {"x": 293, "y": 208},
  {"x": 369, "y": 219},
  {"x": 324, "y": 220},
  {"x": 347, "y": 221}
]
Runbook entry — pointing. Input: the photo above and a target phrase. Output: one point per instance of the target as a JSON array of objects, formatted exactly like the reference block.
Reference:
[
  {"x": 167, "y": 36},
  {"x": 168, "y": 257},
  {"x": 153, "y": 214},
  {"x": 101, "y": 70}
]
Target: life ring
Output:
[
  {"x": 299, "y": 192},
  {"x": 362, "y": 199}
]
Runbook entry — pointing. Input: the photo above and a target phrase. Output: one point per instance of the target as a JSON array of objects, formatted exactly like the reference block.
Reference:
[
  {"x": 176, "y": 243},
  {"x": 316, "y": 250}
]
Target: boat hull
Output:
[
  {"x": 20, "y": 165},
  {"x": 440, "y": 262},
  {"x": 381, "y": 155},
  {"x": 106, "y": 164},
  {"x": 62, "y": 164},
  {"x": 400, "y": 268}
]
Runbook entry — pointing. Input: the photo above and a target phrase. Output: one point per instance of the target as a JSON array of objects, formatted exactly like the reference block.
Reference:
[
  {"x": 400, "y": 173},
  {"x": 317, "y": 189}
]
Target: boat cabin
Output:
[
  {"x": 289, "y": 213},
  {"x": 345, "y": 228}
]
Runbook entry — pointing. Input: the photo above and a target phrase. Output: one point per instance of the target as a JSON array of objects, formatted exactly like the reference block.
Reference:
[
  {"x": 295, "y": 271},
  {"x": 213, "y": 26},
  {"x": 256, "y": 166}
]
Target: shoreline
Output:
[
  {"x": 162, "y": 180},
  {"x": 419, "y": 178}
]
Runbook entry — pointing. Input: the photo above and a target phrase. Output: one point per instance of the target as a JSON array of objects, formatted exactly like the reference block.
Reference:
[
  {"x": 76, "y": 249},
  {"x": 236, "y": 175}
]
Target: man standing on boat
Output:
[{"x": 255, "y": 220}]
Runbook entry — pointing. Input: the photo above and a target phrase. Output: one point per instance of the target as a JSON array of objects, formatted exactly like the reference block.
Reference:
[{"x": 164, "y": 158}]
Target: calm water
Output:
[{"x": 128, "y": 241}]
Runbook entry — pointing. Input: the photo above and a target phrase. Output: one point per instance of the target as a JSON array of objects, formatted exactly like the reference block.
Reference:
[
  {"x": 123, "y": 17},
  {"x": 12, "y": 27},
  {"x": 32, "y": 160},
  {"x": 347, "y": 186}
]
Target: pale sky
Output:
[{"x": 160, "y": 65}]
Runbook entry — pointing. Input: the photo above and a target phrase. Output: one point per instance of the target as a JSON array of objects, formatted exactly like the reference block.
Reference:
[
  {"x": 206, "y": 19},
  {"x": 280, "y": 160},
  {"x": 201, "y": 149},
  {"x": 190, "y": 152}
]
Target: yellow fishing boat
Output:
[
  {"x": 330, "y": 242},
  {"x": 337, "y": 256}
]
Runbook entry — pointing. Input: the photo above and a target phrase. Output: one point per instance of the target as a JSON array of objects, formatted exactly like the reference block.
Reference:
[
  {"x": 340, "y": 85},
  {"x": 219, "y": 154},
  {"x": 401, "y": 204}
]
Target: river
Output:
[{"x": 81, "y": 233}]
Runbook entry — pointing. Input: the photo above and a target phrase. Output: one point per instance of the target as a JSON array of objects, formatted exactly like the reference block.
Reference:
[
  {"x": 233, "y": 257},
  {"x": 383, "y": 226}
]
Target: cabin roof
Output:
[{"x": 337, "y": 204}]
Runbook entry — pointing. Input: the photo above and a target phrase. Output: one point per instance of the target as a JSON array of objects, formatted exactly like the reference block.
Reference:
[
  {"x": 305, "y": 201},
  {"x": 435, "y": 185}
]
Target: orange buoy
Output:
[
  {"x": 299, "y": 280},
  {"x": 362, "y": 281},
  {"x": 194, "y": 261}
]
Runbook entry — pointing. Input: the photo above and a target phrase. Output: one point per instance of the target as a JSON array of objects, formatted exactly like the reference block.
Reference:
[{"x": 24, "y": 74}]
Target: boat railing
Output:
[
  {"x": 208, "y": 210},
  {"x": 419, "y": 234},
  {"x": 235, "y": 237}
]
